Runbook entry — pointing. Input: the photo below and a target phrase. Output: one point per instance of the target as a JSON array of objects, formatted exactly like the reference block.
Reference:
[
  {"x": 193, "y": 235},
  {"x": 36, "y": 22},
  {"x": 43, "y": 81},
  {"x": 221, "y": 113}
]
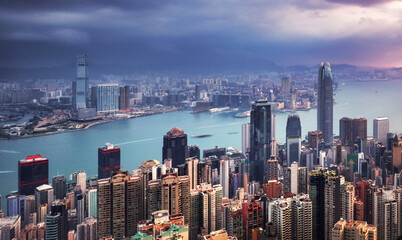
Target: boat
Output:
[
  {"x": 243, "y": 114},
  {"x": 201, "y": 135},
  {"x": 215, "y": 110}
]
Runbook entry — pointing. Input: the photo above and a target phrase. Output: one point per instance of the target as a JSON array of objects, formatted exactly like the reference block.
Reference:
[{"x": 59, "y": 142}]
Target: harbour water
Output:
[{"x": 141, "y": 138}]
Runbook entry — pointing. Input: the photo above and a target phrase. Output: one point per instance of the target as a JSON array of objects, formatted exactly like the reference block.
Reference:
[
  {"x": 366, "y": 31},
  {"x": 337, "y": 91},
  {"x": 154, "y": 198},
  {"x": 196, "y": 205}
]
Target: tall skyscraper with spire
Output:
[
  {"x": 261, "y": 134},
  {"x": 325, "y": 102}
]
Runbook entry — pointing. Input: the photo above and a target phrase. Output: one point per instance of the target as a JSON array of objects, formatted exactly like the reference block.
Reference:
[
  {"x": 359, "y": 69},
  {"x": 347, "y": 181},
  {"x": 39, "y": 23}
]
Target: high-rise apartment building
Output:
[
  {"x": 381, "y": 129},
  {"x": 175, "y": 146},
  {"x": 176, "y": 195},
  {"x": 233, "y": 218},
  {"x": 33, "y": 171},
  {"x": 87, "y": 229},
  {"x": 206, "y": 206},
  {"x": 261, "y": 134},
  {"x": 252, "y": 218},
  {"x": 108, "y": 160},
  {"x": 192, "y": 171},
  {"x": 107, "y": 98},
  {"x": 80, "y": 86},
  {"x": 325, "y": 102},
  {"x": 347, "y": 198},
  {"x": 351, "y": 230},
  {"x": 292, "y": 217},
  {"x": 120, "y": 205},
  {"x": 153, "y": 197},
  {"x": 273, "y": 168}
]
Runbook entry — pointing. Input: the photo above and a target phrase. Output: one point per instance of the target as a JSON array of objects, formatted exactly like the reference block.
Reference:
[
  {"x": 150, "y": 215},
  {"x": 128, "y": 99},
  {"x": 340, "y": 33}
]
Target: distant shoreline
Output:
[{"x": 89, "y": 125}]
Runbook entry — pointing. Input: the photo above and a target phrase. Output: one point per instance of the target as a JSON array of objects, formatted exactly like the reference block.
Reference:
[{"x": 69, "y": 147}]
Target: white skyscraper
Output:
[
  {"x": 108, "y": 98},
  {"x": 245, "y": 137},
  {"x": 82, "y": 180},
  {"x": 224, "y": 177},
  {"x": 294, "y": 170},
  {"x": 380, "y": 129}
]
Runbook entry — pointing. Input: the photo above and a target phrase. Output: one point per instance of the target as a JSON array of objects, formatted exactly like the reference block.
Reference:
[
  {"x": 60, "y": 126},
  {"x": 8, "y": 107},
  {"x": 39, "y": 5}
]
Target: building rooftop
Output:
[
  {"x": 44, "y": 187},
  {"x": 33, "y": 158},
  {"x": 175, "y": 132}
]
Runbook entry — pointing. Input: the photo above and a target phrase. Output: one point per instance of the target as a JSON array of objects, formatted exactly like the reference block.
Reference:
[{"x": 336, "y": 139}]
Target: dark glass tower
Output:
[
  {"x": 59, "y": 184},
  {"x": 33, "y": 171},
  {"x": 108, "y": 160},
  {"x": 261, "y": 132},
  {"x": 317, "y": 196},
  {"x": 293, "y": 126},
  {"x": 351, "y": 129},
  {"x": 325, "y": 102},
  {"x": 59, "y": 208},
  {"x": 175, "y": 146}
]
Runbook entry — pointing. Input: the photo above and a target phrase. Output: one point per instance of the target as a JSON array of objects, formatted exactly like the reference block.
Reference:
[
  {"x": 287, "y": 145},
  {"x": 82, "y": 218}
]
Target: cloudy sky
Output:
[{"x": 203, "y": 33}]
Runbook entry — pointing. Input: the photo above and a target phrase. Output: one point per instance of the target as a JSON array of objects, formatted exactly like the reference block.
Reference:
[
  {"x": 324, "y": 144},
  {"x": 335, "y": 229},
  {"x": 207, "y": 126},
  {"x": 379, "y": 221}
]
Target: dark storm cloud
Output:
[{"x": 204, "y": 33}]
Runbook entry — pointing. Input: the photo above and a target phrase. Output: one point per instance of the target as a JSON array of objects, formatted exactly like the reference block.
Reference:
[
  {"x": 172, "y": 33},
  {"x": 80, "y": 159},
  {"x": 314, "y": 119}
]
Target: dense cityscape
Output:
[
  {"x": 201, "y": 120},
  {"x": 310, "y": 187}
]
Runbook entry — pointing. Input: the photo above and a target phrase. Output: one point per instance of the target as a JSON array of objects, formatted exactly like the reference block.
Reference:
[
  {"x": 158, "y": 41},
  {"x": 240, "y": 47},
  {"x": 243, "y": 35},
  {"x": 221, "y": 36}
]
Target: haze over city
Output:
[{"x": 201, "y": 35}]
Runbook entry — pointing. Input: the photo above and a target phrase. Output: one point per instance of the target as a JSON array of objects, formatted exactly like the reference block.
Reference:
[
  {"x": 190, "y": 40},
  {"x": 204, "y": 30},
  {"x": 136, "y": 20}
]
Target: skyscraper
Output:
[
  {"x": 81, "y": 93},
  {"x": 120, "y": 205},
  {"x": 245, "y": 137},
  {"x": 107, "y": 98},
  {"x": 285, "y": 86},
  {"x": 317, "y": 196},
  {"x": 272, "y": 169},
  {"x": 292, "y": 217},
  {"x": 176, "y": 195},
  {"x": 59, "y": 208},
  {"x": 33, "y": 171},
  {"x": 44, "y": 194},
  {"x": 261, "y": 133},
  {"x": 224, "y": 177},
  {"x": 332, "y": 203},
  {"x": 252, "y": 218},
  {"x": 192, "y": 171},
  {"x": 293, "y": 126},
  {"x": 352, "y": 128},
  {"x": 175, "y": 146},
  {"x": 380, "y": 129},
  {"x": 124, "y": 98},
  {"x": 59, "y": 184},
  {"x": 325, "y": 102},
  {"x": 92, "y": 197},
  {"x": 293, "y": 148},
  {"x": 108, "y": 160}
]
